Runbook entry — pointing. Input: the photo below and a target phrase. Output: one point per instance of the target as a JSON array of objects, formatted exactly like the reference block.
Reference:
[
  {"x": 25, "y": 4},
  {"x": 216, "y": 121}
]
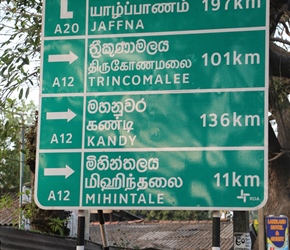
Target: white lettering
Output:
[
  {"x": 54, "y": 139},
  {"x": 56, "y": 83},
  {"x": 159, "y": 79},
  {"x": 122, "y": 140},
  {"x": 57, "y": 29},
  {"x": 51, "y": 196},
  {"x": 125, "y": 199},
  {"x": 117, "y": 25}
]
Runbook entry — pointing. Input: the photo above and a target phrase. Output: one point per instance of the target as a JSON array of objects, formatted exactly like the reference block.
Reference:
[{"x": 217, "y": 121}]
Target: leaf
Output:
[
  {"x": 20, "y": 94},
  {"x": 27, "y": 92},
  {"x": 9, "y": 100},
  {"x": 25, "y": 60}
]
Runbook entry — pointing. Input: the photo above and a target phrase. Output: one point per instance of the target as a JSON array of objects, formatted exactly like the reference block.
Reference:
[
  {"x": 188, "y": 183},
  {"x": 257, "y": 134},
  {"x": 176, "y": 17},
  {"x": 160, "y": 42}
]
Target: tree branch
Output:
[
  {"x": 276, "y": 157},
  {"x": 279, "y": 61},
  {"x": 280, "y": 40}
]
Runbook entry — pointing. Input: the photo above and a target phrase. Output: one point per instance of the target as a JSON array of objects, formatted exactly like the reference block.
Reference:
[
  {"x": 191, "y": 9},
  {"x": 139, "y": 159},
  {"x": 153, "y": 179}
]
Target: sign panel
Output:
[{"x": 156, "y": 114}]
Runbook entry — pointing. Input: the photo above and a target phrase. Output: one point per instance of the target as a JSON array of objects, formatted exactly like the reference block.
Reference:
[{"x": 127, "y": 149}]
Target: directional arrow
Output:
[
  {"x": 68, "y": 115},
  {"x": 71, "y": 57},
  {"x": 67, "y": 171},
  {"x": 64, "y": 13}
]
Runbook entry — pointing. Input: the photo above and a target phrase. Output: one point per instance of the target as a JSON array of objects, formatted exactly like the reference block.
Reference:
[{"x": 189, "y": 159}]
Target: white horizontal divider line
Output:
[
  {"x": 184, "y": 91},
  {"x": 166, "y": 149},
  {"x": 164, "y": 33}
]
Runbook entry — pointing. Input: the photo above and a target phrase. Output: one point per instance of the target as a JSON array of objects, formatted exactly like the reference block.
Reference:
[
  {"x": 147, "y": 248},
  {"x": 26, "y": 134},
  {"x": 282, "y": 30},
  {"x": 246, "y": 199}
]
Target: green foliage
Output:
[
  {"x": 278, "y": 88},
  {"x": 44, "y": 221},
  {"x": 172, "y": 214},
  {"x": 6, "y": 201},
  {"x": 30, "y": 145},
  {"x": 7, "y": 206},
  {"x": 50, "y": 221},
  {"x": 15, "y": 119},
  {"x": 20, "y": 29},
  {"x": 29, "y": 209},
  {"x": 56, "y": 225}
]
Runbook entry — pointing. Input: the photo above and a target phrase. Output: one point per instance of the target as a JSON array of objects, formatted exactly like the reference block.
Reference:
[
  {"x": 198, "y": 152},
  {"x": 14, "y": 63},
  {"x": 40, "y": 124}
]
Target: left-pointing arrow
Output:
[
  {"x": 68, "y": 115},
  {"x": 71, "y": 57},
  {"x": 67, "y": 171}
]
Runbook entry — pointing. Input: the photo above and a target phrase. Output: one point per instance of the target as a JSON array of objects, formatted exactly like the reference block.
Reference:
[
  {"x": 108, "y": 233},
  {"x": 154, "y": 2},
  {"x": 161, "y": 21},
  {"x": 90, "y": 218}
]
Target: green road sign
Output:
[
  {"x": 153, "y": 179},
  {"x": 190, "y": 61},
  {"x": 155, "y": 105},
  {"x": 74, "y": 18},
  {"x": 60, "y": 172}
]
